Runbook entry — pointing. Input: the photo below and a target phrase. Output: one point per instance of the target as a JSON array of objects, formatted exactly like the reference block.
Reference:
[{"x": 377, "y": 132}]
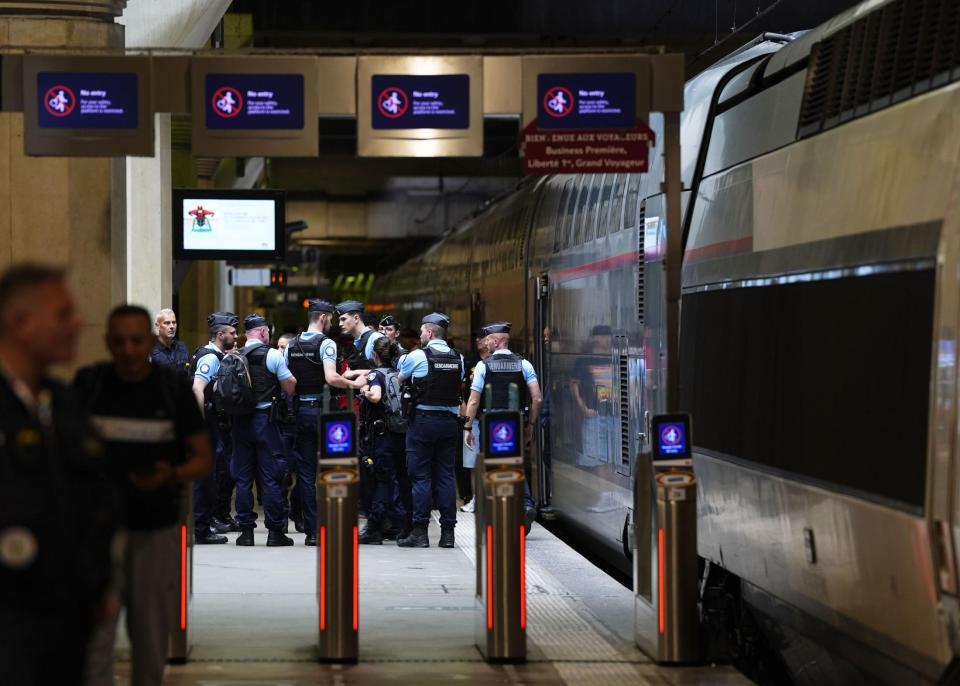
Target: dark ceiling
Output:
[{"x": 703, "y": 29}]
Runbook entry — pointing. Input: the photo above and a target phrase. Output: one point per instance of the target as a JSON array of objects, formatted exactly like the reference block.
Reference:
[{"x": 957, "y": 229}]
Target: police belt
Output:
[
  {"x": 309, "y": 403},
  {"x": 437, "y": 413}
]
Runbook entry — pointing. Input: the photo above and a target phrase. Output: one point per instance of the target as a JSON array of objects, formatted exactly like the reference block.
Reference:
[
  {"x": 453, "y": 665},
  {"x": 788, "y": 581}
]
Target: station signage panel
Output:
[
  {"x": 420, "y": 106},
  {"x": 255, "y": 106},
  {"x": 96, "y": 106},
  {"x": 586, "y": 114}
]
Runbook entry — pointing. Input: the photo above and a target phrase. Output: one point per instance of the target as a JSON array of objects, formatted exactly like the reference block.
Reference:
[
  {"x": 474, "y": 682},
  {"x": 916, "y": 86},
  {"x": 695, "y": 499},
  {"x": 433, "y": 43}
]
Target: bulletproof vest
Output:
[
  {"x": 357, "y": 358},
  {"x": 198, "y": 355},
  {"x": 441, "y": 385},
  {"x": 265, "y": 385},
  {"x": 303, "y": 358},
  {"x": 503, "y": 370}
]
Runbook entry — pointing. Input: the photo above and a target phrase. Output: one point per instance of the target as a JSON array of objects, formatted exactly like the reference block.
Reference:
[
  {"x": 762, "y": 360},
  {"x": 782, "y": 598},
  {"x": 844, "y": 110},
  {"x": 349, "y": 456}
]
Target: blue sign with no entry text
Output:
[
  {"x": 403, "y": 101},
  {"x": 254, "y": 101},
  {"x": 87, "y": 100},
  {"x": 587, "y": 101}
]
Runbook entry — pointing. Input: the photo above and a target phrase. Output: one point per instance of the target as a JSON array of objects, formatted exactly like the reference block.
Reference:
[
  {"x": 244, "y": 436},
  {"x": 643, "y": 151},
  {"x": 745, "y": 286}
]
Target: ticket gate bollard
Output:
[
  {"x": 501, "y": 629},
  {"x": 674, "y": 544},
  {"x": 338, "y": 572},
  {"x": 179, "y": 644}
]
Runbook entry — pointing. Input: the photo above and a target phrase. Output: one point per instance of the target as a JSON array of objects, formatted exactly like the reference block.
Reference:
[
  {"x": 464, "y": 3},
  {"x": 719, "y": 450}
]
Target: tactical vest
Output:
[
  {"x": 265, "y": 385},
  {"x": 358, "y": 358},
  {"x": 303, "y": 358},
  {"x": 441, "y": 385},
  {"x": 198, "y": 355},
  {"x": 503, "y": 370}
]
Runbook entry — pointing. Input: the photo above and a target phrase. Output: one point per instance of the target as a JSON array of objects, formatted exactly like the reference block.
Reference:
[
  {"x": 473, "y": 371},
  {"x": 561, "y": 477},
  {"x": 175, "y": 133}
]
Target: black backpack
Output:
[
  {"x": 233, "y": 393},
  {"x": 391, "y": 401}
]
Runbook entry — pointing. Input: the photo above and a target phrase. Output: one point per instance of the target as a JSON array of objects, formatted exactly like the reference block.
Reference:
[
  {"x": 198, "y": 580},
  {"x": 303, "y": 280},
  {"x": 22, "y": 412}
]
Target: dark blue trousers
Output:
[
  {"x": 386, "y": 506},
  {"x": 205, "y": 489},
  {"x": 258, "y": 448},
  {"x": 305, "y": 456},
  {"x": 431, "y": 457},
  {"x": 224, "y": 481}
]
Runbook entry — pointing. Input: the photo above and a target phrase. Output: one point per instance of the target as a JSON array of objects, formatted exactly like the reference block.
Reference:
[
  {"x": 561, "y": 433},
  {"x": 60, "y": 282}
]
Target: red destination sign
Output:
[{"x": 586, "y": 152}]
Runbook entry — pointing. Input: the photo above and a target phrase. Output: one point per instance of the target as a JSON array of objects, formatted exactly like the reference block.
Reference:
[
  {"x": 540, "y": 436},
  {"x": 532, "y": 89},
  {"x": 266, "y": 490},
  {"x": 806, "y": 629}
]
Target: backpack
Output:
[
  {"x": 233, "y": 393},
  {"x": 391, "y": 401}
]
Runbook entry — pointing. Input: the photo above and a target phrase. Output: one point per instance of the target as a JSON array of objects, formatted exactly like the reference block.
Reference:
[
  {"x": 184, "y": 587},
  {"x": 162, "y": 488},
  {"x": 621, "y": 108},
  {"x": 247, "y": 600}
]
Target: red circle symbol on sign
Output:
[
  {"x": 558, "y": 101},
  {"x": 227, "y": 102},
  {"x": 393, "y": 103},
  {"x": 59, "y": 101}
]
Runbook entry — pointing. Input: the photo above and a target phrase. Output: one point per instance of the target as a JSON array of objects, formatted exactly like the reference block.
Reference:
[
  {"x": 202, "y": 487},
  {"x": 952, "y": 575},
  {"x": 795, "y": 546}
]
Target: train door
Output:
[{"x": 541, "y": 362}]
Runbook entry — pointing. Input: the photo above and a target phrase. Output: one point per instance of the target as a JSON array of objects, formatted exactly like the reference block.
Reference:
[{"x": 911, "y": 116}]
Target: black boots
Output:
[
  {"x": 529, "y": 517},
  {"x": 311, "y": 539},
  {"x": 245, "y": 537},
  {"x": 208, "y": 537},
  {"x": 446, "y": 537},
  {"x": 371, "y": 535},
  {"x": 416, "y": 539},
  {"x": 278, "y": 538}
]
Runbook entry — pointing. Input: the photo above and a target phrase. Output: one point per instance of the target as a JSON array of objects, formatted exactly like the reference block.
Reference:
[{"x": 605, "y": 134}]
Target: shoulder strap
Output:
[{"x": 321, "y": 337}]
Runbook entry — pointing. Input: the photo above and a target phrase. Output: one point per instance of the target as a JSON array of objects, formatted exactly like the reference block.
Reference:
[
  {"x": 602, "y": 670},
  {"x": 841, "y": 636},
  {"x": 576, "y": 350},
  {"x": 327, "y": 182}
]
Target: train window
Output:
[
  {"x": 561, "y": 214},
  {"x": 616, "y": 203},
  {"x": 572, "y": 207},
  {"x": 586, "y": 207},
  {"x": 633, "y": 197},
  {"x": 603, "y": 215}
]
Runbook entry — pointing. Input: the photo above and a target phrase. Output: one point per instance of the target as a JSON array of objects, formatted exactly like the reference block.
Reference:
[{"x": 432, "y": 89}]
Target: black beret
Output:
[
  {"x": 222, "y": 319},
  {"x": 389, "y": 320},
  {"x": 495, "y": 327},
  {"x": 317, "y": 305},
  {"x": 437, "y": 318},
  {"x": 350, "y": 306},
  {"x": 253, "y": 321}
]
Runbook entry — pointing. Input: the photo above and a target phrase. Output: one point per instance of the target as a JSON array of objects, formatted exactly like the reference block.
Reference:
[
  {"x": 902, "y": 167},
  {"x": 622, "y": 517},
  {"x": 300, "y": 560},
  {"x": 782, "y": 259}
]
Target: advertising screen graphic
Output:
[
  {"x": 87, "y": 100},
  {"x": 587, "y": 101},
  {"x": 338, "y": 438},
  {"x": 673, "y": 440},
  {"x": 228, "y": 224},
  {"x": 404, "y": 101},
  {"x": 254, "y": 101},
  {"x": 503, "y": 437}
]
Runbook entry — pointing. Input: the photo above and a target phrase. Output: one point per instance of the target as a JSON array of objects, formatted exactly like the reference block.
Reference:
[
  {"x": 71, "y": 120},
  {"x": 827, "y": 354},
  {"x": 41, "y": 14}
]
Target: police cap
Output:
[
  {"x": 253, "y": 321},
  {"x": 222, "y": 319},
  {"x": 348, "y": 306},
  {"x": 318, "y": 305},
  {"x": 495, "y": 327},
  {"x": 437, "y": 318},
  {"x": 389, "y": 320}
]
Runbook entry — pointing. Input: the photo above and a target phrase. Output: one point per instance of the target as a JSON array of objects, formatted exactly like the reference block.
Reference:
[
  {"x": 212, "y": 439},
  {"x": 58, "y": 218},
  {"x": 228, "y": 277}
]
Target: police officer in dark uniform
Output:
[
  {"x": 390, "y": 327},
  {"x": 312, "y": 358},
  {"x": 501, "y": 370},
  {"x": 435, "y": 372},
  {"x": 352, "y": 324},
  {"x": 257, "y": 444},
  {"x": 57, "y": 516},
  {"x": 207, "y": 493}
]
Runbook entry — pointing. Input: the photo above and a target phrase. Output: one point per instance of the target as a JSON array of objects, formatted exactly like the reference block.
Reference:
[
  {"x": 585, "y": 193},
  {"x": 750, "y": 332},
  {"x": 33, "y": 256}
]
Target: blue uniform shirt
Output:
[
  {"x": 208, "y": 365},
  {"x": 328, "y": 351},
  {"x": 480, "y": 373},
  {"x": 276, "y": 365},
  {"x": 414, "y": 366},
  {"x": 368, "y": 349}
]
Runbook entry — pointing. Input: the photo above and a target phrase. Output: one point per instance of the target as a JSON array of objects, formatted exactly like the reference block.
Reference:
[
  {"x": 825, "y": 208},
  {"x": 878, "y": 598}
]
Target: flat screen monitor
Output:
[
  {"x": 239, "y": 226},
  {"x": 338, "y": 435},
  {"x": 671, "y": 437},
  {"x": 503, "y": 434}
]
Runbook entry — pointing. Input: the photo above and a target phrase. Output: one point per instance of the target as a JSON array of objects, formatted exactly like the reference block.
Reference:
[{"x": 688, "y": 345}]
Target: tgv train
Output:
[{"x": 819, "y": 325}]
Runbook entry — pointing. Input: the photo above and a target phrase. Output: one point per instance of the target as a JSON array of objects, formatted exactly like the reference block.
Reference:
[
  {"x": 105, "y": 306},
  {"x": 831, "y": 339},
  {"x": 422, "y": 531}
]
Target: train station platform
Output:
[{"x": 254, "y": 619}]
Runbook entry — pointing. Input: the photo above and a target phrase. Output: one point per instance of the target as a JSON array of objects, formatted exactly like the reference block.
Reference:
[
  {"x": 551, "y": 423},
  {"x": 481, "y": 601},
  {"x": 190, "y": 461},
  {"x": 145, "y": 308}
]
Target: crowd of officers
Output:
[{"x": 91, "y": 477}]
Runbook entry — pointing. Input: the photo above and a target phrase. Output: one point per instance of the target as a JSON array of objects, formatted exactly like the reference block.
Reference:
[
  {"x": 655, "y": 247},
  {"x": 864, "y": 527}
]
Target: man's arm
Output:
[
  {"x": 472, "y": 406},
  {"x": 198, "y": 465},
  {"x": 199, "y": 386},
  {"x": 289, "y": 385},
  {"x": 337, "y": 380}
]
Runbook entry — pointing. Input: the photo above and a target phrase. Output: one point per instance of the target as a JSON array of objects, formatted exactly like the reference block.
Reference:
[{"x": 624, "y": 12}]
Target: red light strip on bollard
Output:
[
  {"x": 356, "y": 578},
  {"x": 661, "y": 579},
  {"x": 183, "y": 577},
  {"x": 323, "y": 578},
  {"x": 489, "y": 577},
  {"x": 523, "y": 578}
]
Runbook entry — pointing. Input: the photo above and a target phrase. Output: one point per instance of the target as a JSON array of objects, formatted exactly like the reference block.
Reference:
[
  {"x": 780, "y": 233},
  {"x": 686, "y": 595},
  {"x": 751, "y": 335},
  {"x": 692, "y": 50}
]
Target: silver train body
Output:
[{"x": 820, "y": 320}]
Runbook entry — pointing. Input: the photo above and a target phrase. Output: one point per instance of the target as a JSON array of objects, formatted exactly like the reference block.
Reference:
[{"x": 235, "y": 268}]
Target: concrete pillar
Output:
[{"x": 53, "y": 209}]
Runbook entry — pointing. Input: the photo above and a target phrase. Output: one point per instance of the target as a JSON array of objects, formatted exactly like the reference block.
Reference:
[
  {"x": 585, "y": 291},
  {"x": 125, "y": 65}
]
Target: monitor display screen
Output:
[
  {"x": 229, "y": 225},
  {"x": 587, "y": 101},
  {"x": 254, "y": 101},
  {"x": 88, "y": 100},
  {"x": 338, "y": 435},
  {"x": 671, "y": 437},
  {"x": 405, "y": 101},
  {"x": 504, "y": 435}
]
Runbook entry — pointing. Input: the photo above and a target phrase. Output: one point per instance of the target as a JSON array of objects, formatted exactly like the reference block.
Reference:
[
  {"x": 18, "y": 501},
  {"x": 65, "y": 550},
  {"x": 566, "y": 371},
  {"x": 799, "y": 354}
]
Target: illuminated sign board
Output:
[
  {"x": 254, "y": 101},
  {"x": 587, "y": 101},
  {"x": 403, "y": 101},
  {"x": 91, "y": 100}
]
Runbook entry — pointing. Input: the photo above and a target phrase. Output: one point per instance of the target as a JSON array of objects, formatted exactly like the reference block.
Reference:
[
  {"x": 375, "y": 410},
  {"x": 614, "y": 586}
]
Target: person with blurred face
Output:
[
  {"x": 390, "y": 327},
  {"x": 58, "y": 515},
  {"x": 168, "y": 350},
  {"x": 156, "y": 442}
]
